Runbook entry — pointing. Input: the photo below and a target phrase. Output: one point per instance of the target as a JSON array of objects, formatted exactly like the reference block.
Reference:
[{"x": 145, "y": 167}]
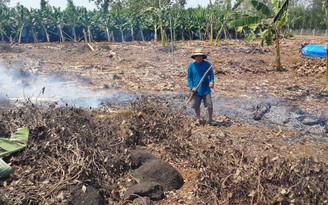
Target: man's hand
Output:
[
  {"x": 211, "y": 85},
  {"x": 194, "y": 90}
]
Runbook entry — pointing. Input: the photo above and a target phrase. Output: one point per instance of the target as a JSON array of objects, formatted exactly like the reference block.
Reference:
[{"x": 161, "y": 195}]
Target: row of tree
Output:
[{"x": 128, "y": 20}]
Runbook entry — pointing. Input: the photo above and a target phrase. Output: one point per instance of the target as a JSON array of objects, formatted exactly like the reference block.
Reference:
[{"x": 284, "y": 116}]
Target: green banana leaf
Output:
[
  {"x": 15, "y": 143},
  {"x": 262, "y": 8},
  {"x": 251, "y": 36},
  {"x": 245, "y": 21},
  {"x": 5, "y": 169},
  {"x": 281, "y": 12}
]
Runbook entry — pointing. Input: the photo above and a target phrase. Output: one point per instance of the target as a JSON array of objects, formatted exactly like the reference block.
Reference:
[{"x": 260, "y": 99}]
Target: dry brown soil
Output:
[{"x": 243, "y": 148}]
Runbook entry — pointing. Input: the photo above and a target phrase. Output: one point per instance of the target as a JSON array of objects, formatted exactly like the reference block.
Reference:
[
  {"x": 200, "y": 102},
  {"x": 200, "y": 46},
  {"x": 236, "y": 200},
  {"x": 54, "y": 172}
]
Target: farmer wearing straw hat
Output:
[{"x": 196, "y": 71}]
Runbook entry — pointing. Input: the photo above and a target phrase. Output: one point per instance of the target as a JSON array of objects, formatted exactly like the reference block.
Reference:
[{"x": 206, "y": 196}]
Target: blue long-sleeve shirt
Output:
[{"x": 195, "y": 74}]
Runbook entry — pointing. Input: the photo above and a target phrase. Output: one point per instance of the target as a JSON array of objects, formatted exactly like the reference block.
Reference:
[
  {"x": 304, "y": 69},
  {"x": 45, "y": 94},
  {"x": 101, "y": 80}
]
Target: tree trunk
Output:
[
  {"x": 142, "y": 35},
  {"x": 155, "y": 33},
  {"x": 61, "y": 36},
  {"x": 35, "y": 37},
  {"x": 278, "y": 61},
  {"x": 113, "y": 36},
  {"x": 90, "y": 36},
  {"x": 122, "y": 33},
  {"x": 132, "y": 33},
  {"x": 47, "y": 35},
  {"x": 74, "y": 35},
  {"x": 174, "y": 35},
  {"x": 218, "y": 35},
  {"x": 85, "y": 36},
  {"x": 20, "y": 36},
  {"x": 211, "y": 35},
  {"x": 225, "y": 33},
  {"x": 162, "y": 34},
  {"x": 108, "y": 35},
  {"x": 200, "y": 34}
]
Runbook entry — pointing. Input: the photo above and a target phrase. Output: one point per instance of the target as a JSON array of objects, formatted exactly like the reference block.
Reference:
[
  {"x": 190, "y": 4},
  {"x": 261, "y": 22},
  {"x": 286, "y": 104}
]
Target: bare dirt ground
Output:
[{"x": 280, "y": 158}]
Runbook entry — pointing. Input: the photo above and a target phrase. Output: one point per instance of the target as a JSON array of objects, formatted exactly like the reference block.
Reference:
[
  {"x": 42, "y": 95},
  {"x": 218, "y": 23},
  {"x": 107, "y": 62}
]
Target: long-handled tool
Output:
[{"x": 192, "y": 94}]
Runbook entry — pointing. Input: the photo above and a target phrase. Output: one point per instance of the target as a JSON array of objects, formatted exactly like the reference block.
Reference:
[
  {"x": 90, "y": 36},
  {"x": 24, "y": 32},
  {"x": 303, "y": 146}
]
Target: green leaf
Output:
[
  {"x": 261, "y": 7},
  {"x": 281, "y": 11},
  {"x": 5, "y": 169},
  {"x": 237, "y": 4},
  {"x": 245, "y": 21},
  {"x": 250, "y": 37},
  {"x": 15, "y": 143},
  {"x": 266, "y": 37},
  {"x": 21, "y": 134}
]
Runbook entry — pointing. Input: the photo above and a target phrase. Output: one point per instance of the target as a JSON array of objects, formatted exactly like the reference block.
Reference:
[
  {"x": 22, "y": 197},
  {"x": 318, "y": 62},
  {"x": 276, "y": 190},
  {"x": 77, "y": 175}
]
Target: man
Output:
[{"x": 196, "y": 71}]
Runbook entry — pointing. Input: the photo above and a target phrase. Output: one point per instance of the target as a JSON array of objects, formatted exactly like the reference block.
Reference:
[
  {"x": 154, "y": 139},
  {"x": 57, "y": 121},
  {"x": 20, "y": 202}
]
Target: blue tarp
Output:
[{"x": 315, "y": 50}]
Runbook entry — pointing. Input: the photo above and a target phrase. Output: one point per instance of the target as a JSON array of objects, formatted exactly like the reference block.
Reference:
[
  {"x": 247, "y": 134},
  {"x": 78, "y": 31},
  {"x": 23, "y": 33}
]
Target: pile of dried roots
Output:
[{"x": 72, "y": 147}]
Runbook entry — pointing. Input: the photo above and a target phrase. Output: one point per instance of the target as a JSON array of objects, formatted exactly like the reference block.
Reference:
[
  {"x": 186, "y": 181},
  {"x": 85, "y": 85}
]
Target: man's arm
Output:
[
  {"x": 211, "y": 73},
  {"x": 190, "y": 78}
]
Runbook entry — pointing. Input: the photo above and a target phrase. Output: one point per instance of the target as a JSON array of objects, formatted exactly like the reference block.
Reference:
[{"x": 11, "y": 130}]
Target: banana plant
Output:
[
  {"x": 289, "y": 21},
  {"x": 34, "y": 24},
  {"x": 20, "y": 20},
  {"x": 133, "y": 16},
  {"x": 199, "y": 20},
  {"x": 106, "y": 23},
  {"x": 178, "y": 21},
  {"x": 46, "y": 23},
  {"x": 212, "y": 11},
  {"x": 4, "y": 22},
  {"x": 158, "y": 8},
  {"x": 325, "y": 8},
  {"x": 59, "y": 20},
  {"x": 269, "y": 24},
  {"x": 118, "y": 14},
  {"x": 72, "y": 17},
  {"x": 86, "y": 21},
  {"x": 189, "y": 27},
  {"x": 229, "y": 14}
]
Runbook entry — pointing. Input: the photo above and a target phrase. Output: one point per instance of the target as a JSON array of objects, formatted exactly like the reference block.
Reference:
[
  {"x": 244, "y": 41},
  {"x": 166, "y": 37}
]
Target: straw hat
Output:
[{"x": 198, "y": 52}]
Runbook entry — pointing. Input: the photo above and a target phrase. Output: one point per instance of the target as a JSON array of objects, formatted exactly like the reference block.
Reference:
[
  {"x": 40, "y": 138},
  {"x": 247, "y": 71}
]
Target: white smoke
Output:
[{"x": 17, "y": 86}]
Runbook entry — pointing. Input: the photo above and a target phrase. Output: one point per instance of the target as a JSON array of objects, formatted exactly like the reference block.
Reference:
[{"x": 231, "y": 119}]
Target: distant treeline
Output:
[{"x": 144, "y": 20}]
